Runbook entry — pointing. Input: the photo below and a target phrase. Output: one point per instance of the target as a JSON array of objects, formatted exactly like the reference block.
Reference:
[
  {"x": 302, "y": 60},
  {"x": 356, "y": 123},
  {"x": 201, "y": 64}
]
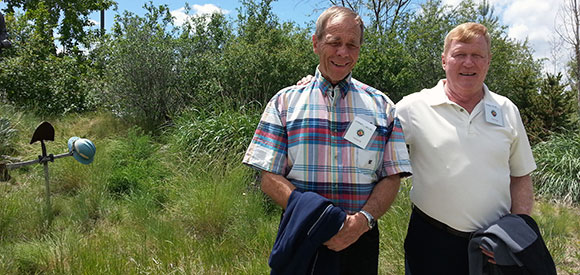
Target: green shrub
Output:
[
  {"x": 49, "y": 86},
  {"x": 558, "y": 173}
]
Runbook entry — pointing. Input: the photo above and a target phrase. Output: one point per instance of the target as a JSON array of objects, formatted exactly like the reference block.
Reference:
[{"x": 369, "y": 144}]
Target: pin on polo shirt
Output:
[{"x": 359, "y": 132}]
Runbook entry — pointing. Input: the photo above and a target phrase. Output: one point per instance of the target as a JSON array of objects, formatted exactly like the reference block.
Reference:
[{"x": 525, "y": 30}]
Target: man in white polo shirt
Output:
[{"x": 470, "y": 156}]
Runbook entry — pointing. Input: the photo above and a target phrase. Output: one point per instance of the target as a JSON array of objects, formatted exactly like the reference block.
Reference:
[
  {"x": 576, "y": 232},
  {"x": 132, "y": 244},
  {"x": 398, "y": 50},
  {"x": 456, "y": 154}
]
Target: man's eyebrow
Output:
[{"x": 334, "y": 38}]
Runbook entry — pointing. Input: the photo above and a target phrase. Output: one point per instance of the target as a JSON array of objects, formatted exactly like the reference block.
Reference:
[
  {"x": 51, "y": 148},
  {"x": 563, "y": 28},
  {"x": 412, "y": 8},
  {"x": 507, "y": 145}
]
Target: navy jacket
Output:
[
  {"x": 517, "y": 245},
  {"x": 308, "y": 222}
]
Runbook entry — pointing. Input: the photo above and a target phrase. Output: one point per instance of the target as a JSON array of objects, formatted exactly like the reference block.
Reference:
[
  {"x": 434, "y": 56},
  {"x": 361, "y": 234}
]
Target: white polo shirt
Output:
[{"x": 461, "y": 162}]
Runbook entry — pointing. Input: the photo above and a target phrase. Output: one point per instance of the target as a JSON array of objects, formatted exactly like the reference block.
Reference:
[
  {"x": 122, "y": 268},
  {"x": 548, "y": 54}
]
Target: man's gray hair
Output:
[{"x": 337, "y": 11}]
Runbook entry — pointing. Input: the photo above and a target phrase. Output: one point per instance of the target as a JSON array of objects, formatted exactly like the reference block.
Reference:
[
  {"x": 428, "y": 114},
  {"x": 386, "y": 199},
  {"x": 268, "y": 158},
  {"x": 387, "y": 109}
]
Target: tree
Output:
[
  {"x": 265, "y": 57},
  {"x": 141, "y": 73},
  {"x": 72, "y": 27},
  {"x": 558, "y": 103},
  {"x": 34, "y": 78},
  {"x": 200, "y": 49},
  {"x": 569, "y": 31}
]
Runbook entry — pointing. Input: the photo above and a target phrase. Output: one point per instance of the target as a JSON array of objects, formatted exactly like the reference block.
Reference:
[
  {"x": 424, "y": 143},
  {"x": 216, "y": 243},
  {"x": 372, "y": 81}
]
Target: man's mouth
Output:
[
  {"x": 467, "y": 74},
  {"x": 339, "y": 64}
]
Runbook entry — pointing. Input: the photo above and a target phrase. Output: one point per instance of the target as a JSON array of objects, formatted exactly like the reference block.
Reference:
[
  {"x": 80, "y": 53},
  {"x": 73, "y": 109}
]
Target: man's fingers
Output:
[{"x": 489, "y": 254}]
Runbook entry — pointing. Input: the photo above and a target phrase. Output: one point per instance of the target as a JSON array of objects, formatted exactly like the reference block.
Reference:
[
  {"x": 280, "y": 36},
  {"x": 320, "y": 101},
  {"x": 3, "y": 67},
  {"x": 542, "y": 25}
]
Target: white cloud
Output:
[
  {"x": 451, "y": 2},
  {"x": 208, "y": 9},
  {"x": 199, "y": 10},
  {"x": 94, "y": 22}
]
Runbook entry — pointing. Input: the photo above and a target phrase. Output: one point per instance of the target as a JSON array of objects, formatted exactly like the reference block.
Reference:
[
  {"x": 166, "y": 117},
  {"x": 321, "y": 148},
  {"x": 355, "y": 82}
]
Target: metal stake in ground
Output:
[{"x": 45, "y": 132}]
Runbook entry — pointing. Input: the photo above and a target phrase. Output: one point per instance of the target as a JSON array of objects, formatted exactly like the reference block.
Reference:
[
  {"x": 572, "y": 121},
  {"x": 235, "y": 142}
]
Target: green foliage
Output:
[
  {"x": 559, "y": 225},
  {"x": 385, "y": 65},
  {"x": 7, "y": 135},
  {"x": 554, "y": 109},
  {"x": 141, "y": 78},
  {"x": 136, "y": 169},
  {"x": 200, "y": 47},
  {"x": 265, "y": 57},
  {"x": 208, "y": 136},
  {"x": 33, "y": 77},
  {"x": 56, "y": 89},
  {"x": 73, "y": 27},
  {"x": 424, "y": 43},
  {"x": 558, "y": 173}
]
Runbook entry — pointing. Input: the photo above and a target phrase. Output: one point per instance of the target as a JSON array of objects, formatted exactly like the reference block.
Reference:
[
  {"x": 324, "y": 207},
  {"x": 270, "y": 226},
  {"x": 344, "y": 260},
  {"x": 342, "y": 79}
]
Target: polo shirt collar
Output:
[
  {"x": 437, "y": 96},
  {"x": 324, "y": 85}
]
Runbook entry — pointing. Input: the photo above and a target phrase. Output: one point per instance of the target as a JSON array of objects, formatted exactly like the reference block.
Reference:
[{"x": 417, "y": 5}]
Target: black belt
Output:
[{"x": 440, "y": 225}]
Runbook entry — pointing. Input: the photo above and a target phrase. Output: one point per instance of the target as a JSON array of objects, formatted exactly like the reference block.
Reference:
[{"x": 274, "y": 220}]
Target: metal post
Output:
[
  {"x": 46, "y": 183},
  {"x": 102, "y": 22}
]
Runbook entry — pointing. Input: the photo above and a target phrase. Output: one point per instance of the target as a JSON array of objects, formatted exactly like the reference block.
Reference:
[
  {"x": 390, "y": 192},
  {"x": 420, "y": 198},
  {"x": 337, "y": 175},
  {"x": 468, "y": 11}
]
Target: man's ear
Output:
[
  {"x": 315, "y": 43},
  {"x": 443, "y": 61}
]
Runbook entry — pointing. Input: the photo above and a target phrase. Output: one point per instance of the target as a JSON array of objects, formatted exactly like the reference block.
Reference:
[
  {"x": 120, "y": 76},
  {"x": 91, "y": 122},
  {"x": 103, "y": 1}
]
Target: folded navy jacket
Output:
[
  {"x": 517, "y": 245},
  {"x": 308, "y": 222}
]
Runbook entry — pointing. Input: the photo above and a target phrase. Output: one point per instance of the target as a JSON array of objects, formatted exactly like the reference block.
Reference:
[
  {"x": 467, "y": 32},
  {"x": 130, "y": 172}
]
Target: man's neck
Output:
[{"x": 466, "y": 100}]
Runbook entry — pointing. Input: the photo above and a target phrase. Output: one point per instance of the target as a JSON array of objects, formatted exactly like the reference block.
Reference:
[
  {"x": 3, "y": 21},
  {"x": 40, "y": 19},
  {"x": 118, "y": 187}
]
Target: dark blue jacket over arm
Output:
[{"x": 308, "y": 222}]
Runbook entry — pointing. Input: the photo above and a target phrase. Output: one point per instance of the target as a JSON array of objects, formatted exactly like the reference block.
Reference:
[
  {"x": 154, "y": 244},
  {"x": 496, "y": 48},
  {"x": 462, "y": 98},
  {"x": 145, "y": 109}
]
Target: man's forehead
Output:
[{"x": 471, "y": 43}]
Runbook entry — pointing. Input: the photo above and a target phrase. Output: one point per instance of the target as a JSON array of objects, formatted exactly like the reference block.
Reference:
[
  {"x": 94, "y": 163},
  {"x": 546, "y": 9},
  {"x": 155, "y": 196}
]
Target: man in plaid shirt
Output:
[{"x": 337, "y": 137}]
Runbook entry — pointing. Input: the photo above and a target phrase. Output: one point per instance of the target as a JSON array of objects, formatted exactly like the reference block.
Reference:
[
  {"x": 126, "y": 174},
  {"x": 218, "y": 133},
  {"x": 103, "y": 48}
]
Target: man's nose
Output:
[
  {"x": 468, "y": 62},
  {"x": 342, "y": 50}
]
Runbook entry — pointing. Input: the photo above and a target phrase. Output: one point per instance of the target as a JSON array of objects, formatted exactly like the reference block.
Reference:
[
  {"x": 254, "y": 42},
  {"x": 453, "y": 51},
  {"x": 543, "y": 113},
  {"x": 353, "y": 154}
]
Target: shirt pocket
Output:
[
  {"x": 367, "y": 160},
  {"x": 370, "y": 158}
]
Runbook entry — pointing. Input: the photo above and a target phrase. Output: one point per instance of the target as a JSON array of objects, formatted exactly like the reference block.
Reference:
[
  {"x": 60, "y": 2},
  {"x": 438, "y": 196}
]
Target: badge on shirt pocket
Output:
[{"x": 360, "y": 132}]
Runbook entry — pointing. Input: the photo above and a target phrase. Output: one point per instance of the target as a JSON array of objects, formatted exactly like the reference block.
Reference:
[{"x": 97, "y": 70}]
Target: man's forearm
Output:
[
  {"x": 383, "y": 196},
  {"x": 522, "y": 195},
  {"x": 277, "y": 187}
]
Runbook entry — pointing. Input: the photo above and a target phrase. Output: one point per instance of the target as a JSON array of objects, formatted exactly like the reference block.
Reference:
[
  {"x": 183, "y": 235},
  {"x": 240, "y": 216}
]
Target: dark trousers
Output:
[
  {"x": 362, "y": 257},
  {"x": 433, "y": 249}
]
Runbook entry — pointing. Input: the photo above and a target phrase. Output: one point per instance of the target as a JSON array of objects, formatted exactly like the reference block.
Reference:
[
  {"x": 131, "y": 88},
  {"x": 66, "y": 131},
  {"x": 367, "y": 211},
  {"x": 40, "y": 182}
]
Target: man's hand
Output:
[
  {"x": 354, "y": 226},
  {"x": 488, "y": 254},
  {"x": 305, "y": 80}
]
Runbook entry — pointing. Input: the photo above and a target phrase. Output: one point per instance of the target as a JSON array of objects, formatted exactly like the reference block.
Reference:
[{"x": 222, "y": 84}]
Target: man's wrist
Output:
[{"x": 371, "y": 222}]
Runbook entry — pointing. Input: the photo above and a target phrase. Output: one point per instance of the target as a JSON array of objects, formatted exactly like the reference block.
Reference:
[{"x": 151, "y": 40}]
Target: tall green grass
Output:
[
  {"x": 558, "y": 173},
  {"x": 212, "y": 134}
]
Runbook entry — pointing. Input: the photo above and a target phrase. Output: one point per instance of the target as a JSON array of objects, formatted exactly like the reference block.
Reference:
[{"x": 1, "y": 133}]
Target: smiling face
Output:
[
  {"x": 338, "y": 47},
  {"x": 466, "y": 65}
]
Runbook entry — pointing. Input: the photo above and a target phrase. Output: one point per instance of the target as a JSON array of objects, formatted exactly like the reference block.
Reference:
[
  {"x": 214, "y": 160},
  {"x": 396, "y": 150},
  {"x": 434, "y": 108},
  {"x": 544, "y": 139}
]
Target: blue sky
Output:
[{"x": 299, "y": 11}]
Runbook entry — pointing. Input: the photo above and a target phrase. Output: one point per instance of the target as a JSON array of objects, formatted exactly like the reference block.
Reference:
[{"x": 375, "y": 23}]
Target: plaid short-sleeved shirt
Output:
[{"x": 301, "y": 137}]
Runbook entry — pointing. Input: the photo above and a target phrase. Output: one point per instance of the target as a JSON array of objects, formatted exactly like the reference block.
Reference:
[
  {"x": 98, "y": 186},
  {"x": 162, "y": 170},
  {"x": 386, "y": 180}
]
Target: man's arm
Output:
[
  {"x": 277, "y": 187},
  {"x": 378, "y": 203},
  {"x": 522, "y": 194}
]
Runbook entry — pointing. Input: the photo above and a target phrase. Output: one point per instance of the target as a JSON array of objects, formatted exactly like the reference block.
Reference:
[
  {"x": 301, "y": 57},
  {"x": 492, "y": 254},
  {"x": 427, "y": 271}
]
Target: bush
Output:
[
  {"x": 558, "y": 173},
  {"x": 49, "y": 86}
]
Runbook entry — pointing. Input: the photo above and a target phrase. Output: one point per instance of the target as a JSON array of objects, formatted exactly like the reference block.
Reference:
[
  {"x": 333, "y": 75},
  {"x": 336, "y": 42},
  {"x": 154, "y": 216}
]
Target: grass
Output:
[
  {"x": 143, "y": 207},
  {"x": 558, "y": 161}
]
